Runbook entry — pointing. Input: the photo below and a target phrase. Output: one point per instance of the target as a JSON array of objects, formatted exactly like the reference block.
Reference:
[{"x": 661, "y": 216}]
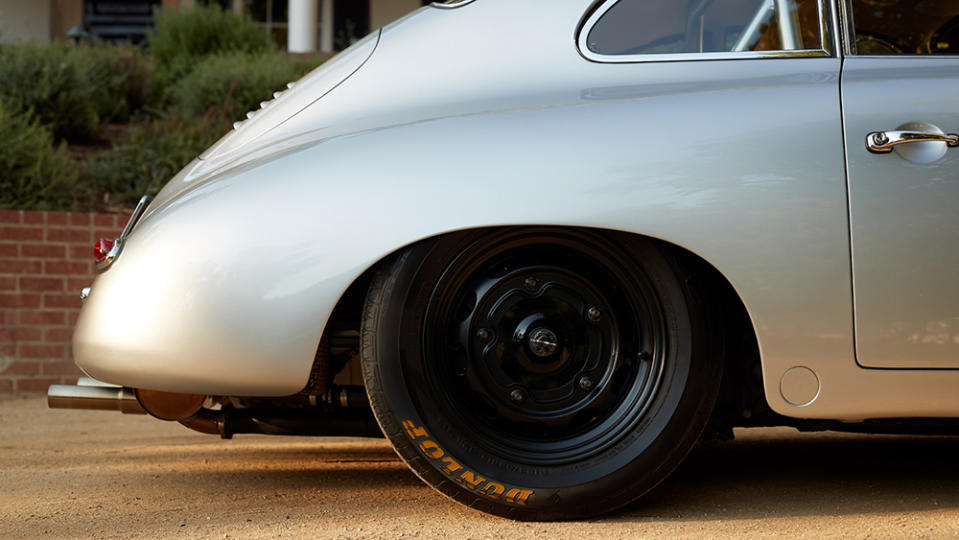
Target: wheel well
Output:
[{"x": 741, "y": 401}]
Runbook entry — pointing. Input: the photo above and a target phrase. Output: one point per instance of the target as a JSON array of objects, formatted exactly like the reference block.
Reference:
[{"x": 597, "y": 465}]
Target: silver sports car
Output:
[{"x": 546, "y": 246}]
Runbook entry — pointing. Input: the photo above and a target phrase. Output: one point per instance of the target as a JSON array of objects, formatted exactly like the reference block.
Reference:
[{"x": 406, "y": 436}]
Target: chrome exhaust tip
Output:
[{"x": 91, "y": 394}]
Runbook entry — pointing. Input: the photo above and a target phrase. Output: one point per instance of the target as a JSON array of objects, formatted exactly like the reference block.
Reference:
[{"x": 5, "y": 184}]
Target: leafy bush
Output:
[
  {"x": 34, "y": 174},
  {"x": 149, "y": 155},
  {"x": 49, "y": 81},
  {"x": 124, "y": 78},
  {"x": 234, "y": 83},
  {"x": 184, "y": 37},
  {"x": 73, "y": 89}
]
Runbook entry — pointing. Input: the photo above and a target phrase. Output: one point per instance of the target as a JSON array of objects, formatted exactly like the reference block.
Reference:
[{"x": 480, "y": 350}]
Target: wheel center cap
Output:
[{"x": 543, "y": 342}]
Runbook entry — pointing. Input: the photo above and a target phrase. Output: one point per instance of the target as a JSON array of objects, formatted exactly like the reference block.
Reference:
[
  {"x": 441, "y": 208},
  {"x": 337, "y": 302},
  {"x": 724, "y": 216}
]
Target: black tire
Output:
[{"x": 599, "y": 333}]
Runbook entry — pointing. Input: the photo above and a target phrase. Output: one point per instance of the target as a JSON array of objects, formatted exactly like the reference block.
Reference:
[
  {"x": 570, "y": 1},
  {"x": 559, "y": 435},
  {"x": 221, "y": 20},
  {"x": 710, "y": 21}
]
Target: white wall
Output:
[{"x": 24, "y": 20}]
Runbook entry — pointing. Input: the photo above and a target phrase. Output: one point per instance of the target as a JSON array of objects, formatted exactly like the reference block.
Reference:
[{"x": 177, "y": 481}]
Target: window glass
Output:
[
  {"x": 706, "y": 26},
  {"x": 906, "y": 26}
]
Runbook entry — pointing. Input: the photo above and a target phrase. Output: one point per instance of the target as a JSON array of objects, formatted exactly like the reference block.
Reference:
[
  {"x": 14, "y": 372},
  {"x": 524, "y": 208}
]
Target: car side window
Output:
[
  {"x": 653, "y": 27},
  {"x": 906, "y": 26}
]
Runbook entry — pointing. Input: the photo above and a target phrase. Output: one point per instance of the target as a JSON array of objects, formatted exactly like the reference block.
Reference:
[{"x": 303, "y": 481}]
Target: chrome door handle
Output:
[{"x": 882, "y": 142}]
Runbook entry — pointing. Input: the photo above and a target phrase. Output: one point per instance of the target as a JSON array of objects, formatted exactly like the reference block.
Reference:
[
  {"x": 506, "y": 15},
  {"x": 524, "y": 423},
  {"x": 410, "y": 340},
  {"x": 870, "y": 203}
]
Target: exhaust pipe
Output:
[
  {"x": 93, "y": 395},
  {"x": 226, "y": 421}
]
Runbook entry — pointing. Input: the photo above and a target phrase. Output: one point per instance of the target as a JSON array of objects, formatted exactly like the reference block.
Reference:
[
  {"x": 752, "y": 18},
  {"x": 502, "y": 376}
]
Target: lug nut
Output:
[
  {"x": 531, "y": 283},
  {"x": 483, "y": 334},
  {"x": 586, "y": 383},
  {"x": 516, "y": 396},
  {"x": 643, "y": 356},
  {"x": 594, "y": 314}
]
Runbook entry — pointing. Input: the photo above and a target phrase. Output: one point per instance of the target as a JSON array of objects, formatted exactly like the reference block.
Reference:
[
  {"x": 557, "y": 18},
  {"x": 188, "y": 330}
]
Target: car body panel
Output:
[
  {"x": 904, "y": 211},
  {"x": 225, "y": 286}
]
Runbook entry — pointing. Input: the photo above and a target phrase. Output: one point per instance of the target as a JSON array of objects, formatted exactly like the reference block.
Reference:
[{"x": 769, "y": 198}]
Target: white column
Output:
[
  {"x": 302, "y": 29},
  {"x": 326, "y": 32}
]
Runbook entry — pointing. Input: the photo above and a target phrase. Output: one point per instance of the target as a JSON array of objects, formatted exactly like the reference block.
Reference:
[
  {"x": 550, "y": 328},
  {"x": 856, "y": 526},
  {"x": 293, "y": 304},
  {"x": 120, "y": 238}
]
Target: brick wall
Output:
[{"x": 45, "y": 259}]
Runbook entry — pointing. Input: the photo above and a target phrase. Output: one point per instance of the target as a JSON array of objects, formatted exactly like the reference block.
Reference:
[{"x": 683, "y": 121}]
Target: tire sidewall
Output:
[{"x": 439, "y": 449}]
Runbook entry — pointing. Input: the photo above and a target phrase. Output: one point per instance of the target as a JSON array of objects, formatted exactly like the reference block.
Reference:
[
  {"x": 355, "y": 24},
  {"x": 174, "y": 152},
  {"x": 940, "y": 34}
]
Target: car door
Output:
[{"x": 900, "y": 97}]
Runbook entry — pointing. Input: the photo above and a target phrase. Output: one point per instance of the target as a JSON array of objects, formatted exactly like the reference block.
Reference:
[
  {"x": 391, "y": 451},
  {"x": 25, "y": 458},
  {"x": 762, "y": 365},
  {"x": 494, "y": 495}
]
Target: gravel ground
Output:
[{"x": 78, "y": 474}]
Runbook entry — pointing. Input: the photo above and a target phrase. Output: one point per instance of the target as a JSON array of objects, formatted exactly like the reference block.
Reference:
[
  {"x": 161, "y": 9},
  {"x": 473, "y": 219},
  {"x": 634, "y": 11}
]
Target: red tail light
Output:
[{"x": 101, "y": 248}]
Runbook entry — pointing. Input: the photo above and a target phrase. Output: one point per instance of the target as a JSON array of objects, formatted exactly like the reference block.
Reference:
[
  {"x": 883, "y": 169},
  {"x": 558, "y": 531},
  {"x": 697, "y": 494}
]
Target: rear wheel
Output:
[{"x": 538, "y": 373}]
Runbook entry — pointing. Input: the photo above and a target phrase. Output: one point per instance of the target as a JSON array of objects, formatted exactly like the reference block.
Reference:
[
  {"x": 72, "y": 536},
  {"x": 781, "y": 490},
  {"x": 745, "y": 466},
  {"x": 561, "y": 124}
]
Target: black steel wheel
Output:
[{"x": 538, "y": 373}]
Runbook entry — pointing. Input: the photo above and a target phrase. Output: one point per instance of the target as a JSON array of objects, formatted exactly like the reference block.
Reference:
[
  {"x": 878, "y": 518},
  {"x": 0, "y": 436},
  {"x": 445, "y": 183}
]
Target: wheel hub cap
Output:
[{"x": 542, "y": 342}]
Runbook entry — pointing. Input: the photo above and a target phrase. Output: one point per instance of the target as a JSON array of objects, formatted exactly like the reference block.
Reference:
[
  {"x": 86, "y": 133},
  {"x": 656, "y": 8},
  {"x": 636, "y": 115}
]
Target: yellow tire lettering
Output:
[
  {"x": 465, "y": 477},
  {"x": 414, "y": 431},
  {"x": 470, "y": 479},
  {"x": 492, "y": 490},
  {"x": 518, "y": 496},
  {"x": 451, "y": 466},
  {"x": 431, "y": 449}
]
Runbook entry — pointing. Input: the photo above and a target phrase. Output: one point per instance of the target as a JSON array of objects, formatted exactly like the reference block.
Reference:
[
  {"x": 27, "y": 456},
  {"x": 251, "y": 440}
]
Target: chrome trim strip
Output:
[
  {"x": 111, "y": 256},
  {"x": 591, "y": 21},
  {"x": 118, "y": 243},
  {"x": 137, "y": 214},
  {"x": 451, "y": 5},
  {"x": 848, "y": 27}
]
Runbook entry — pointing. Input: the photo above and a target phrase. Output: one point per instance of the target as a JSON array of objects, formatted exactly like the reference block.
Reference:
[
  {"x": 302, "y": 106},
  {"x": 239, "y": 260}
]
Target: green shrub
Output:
[
  {"x": 183, "y": 37},
  {"x": 234, "y": 83},
  {"x": 149, "y": 155},
  {"x": 73, "y": 89},
  {"x": 49, "y": 81},
  {"x": 124, "y": 78},
  {"x": 34, "y": 173}
]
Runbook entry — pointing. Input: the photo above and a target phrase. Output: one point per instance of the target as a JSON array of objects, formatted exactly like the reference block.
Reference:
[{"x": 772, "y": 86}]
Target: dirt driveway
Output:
[{"x": 77, "y": 474}]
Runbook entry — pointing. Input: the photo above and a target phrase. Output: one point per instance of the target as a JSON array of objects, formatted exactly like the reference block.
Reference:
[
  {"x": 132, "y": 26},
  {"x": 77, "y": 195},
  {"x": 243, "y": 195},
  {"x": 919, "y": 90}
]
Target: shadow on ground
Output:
[{"x": 801, "y": 475}]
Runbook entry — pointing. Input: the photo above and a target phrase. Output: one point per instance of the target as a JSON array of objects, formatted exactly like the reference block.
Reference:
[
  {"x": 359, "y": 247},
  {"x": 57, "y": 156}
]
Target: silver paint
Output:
[
  {"x": 225, "y": 285},
  {"x": 904, "y": 210}
]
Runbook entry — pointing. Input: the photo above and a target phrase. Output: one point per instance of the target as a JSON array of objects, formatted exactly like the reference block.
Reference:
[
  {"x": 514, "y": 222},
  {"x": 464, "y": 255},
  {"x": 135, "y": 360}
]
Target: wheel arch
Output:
[{"x": 742, "y": 392}]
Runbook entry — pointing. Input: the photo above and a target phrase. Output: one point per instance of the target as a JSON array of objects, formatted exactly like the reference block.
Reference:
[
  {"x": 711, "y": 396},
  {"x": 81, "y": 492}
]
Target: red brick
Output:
[
  {"x": 15, "y": 334},
  {"x": 70, "y": 268},
  {"x": 76, "y": 284},
  {"x": 45, "y": 251},
  {"x": 10, "y": 216},
  {"x": 79, "y": 219},
  {"x": 21, "y": 233},
  {"x": 35, "y": 386},
  {"x": 81, "y": 252},
  {"x": 8, "y": 283},
  {"x": 57, "y": 335},
  {"x": 68, "y": 235},
  {"x": 6, "y": 386},
  {"x": 72, "y": 316},
  {"x": 107, "y": 233},
  {"x": 20, "y": 267},
  {"x": 41, "y": 351},
  {"x": 56, "y": 218},
  {"x": 62, "y": 301},
  {"x": 9, "y": 250},
  {"x": 20, "y": 300},
  {"x": 8, "y": 349},
  {"x": 43, "y": 317},
  {"x": 60, "y": 368},
  {"x": 8, "y": 316},
  {"x": 41, "y": 284},
  {"x": 22, "y": 368},
  {"x": 33, "y": 217},
  {"x": 105, "y": 220}
]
